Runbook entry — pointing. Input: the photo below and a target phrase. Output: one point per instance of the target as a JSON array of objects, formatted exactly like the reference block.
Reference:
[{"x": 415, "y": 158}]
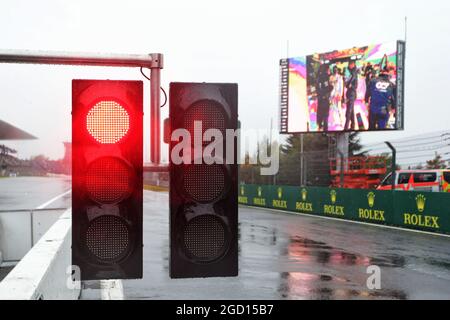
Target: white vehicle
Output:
[{"x": 418, "y": 180}]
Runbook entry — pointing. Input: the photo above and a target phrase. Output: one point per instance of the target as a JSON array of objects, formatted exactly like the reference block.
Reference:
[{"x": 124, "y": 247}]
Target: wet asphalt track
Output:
[
  {"x": 284, "y": 256},
  {"x": 30, "y": 192}
]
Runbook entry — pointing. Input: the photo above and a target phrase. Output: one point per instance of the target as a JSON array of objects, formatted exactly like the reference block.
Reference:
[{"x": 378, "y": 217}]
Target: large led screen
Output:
[{"x": 358, "y": 89}]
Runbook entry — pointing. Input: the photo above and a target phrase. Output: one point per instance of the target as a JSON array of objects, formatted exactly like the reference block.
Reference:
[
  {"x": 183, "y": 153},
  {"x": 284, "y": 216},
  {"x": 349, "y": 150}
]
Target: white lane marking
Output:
[
  {"x": 42, "y": 206},
  {"x": 351, "y": 221},
  {"x": 111, "y": 289}
]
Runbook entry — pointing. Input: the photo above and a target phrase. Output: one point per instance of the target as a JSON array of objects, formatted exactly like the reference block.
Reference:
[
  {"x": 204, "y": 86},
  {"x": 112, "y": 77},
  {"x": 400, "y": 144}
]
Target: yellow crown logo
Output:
[
  {"x": 280, "y": 193},
  {"x": 259, "y": 192},
  {"x": 420, "y": 202},
  {"x": 333, "y": 195},
  {"x": 304, "y": 194},
  {"x": 371, "y": 199},
  {"x": 242, "y": 190}
]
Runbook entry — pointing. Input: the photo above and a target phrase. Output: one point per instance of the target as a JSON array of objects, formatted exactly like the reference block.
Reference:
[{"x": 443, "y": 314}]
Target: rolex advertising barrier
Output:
[{"x": 426, "y": 211}]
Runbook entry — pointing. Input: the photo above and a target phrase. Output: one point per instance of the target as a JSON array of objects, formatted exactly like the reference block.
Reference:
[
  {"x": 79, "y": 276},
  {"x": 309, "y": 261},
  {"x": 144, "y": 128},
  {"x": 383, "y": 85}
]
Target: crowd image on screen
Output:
[{"x": 355, "y": 94}]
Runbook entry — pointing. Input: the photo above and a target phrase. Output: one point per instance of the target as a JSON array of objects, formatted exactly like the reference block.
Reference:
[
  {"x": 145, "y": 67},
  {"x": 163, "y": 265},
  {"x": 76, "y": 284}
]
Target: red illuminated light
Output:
[
  {"x": 108, "y": 122},
  {"x": 108, "y": 180}
]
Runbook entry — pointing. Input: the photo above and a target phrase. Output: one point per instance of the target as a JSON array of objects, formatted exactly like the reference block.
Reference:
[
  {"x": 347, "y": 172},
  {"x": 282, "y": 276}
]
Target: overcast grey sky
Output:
[{"x": 227, "y": 41}]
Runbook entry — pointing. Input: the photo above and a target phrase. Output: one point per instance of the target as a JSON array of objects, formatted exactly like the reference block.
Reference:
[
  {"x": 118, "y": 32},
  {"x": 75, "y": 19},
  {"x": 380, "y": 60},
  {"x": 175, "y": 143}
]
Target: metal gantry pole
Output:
[
  {"x": 394, "y": 163},
  {"x": 155, "y": 131},
  {"x": 341, "y": 168},
  {"x": 153, "y": 61},
  {"x": 302, "y": 162}
]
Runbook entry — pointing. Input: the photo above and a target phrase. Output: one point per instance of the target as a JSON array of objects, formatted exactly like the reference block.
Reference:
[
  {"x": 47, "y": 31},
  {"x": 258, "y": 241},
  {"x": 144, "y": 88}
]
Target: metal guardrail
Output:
[
  {"x": 33, "y": 210},
  {"x": 15, "y": 249},
  {"x": 43, "y": 271},
  {"x": 156, "y": 168}
]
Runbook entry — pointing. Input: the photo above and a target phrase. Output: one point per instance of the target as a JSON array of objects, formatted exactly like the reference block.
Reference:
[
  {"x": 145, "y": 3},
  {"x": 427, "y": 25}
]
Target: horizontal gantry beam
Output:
[{"x": 152, "y": 60}]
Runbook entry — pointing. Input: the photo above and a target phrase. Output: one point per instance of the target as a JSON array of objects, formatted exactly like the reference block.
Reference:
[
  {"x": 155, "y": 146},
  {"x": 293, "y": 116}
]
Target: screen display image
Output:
[{"x": 357, "y": 89}]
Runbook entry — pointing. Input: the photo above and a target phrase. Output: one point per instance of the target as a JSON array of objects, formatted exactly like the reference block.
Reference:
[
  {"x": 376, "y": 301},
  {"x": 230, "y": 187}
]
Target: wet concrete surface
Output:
[
  {"x": 30, "y": 192},
  {"x": 4, "y": 271},
  {"x": 284, "y": 256}
]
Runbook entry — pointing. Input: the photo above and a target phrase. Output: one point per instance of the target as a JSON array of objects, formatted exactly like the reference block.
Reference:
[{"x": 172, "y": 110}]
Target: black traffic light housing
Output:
[
  {"x": 107, "y": 190},
  {"x": 203, "y": 197}
]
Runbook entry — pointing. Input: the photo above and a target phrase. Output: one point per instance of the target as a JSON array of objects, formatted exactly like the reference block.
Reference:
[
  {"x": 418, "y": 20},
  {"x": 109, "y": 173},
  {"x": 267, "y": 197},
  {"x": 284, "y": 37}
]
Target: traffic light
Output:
[
  {"x": 203, "y": 195},
  {"x": 107, "y": 186}
]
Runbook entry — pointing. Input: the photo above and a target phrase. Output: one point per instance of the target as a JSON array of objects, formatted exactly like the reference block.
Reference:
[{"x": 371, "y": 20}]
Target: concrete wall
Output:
[{"x": 42, "y": 273}]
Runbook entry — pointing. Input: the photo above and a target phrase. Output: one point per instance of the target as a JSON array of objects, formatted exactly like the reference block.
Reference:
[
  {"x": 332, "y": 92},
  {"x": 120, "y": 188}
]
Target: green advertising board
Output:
[
  {"x": 422, "y": 210},
  {"x": 426, "y": 211}
]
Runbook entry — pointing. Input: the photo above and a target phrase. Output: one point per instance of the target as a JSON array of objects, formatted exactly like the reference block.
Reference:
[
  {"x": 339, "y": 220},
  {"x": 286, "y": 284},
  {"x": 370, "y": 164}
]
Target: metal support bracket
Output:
[{"x": 153, "y": 61}]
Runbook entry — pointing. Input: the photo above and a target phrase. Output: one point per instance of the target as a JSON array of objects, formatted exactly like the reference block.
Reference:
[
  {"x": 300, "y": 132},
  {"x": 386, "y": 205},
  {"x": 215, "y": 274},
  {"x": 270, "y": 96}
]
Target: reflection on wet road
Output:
[
  {"x": 327, "y": 259},
  {"x": 286, "y": 256},
  {"x": 305, "y": 252}
]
